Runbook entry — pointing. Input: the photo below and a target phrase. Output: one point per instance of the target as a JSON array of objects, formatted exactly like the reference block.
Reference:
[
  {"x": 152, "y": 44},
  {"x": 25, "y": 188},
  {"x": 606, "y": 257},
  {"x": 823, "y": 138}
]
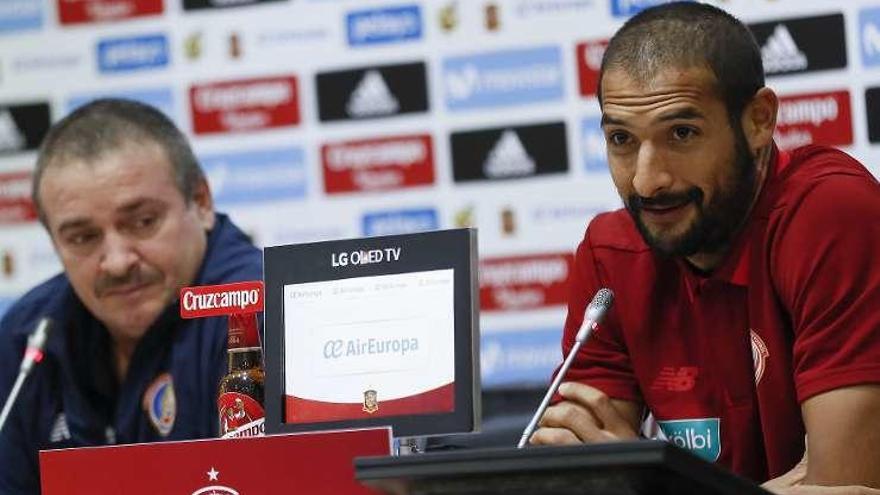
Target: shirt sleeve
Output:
[
  {"x": 603, "y": 362},
  {"x": 827, "y": 271}
]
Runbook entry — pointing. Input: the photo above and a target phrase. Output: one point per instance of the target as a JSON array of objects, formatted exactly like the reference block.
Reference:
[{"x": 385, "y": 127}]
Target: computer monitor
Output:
[{"x": 373, "y": 331}]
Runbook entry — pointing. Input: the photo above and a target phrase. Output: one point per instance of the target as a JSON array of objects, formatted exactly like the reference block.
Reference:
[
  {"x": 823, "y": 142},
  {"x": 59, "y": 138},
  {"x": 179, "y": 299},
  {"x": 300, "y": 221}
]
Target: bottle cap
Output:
[{"x": 243, "y": 331}]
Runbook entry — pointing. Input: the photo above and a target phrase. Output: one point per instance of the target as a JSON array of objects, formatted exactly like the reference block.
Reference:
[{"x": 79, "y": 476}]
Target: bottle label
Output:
[{"x": 240, "y": 416}]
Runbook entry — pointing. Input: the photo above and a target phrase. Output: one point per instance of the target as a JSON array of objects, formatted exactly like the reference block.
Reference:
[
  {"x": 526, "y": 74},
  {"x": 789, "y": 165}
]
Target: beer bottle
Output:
[{"x": 240, "y": 402}]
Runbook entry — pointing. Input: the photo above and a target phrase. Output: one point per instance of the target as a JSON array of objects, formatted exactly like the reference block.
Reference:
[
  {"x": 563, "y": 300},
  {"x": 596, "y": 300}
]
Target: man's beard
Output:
[{"x": 716, "y": 223}]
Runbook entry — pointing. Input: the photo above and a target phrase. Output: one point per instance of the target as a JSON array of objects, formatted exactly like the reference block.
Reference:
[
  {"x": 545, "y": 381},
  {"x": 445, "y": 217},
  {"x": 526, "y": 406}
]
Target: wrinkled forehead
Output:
[
  {"x": 621, "y": 86},
  {"x": 132, "y": 170}
]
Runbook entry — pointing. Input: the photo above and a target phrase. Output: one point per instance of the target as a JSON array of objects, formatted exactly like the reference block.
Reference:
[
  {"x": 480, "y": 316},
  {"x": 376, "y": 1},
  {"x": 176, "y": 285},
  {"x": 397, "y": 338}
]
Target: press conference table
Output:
[{"x": 644, "y": 467}]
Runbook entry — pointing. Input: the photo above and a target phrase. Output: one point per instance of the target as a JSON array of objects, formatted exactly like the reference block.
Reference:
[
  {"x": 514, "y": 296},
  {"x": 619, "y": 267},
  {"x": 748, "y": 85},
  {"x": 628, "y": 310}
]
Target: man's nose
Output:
[
  {"x": 118, "y": 255},
  {"x": 652, "y": 171}
]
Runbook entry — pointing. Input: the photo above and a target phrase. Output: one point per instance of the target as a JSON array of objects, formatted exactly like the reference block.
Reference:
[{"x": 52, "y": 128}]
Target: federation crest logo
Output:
[
  {"x": 760, "y": 353},
  {"x": 371, "y": 401},
  {"x": 160, "y": 404},
  {"x": 213, "y": 475}
]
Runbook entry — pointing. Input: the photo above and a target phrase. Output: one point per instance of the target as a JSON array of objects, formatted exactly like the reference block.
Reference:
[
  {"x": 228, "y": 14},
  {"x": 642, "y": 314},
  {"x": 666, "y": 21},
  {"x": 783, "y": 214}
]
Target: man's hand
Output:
[
  {"x": 587, "y": 416},
  {"x": 790, "y": 483}
]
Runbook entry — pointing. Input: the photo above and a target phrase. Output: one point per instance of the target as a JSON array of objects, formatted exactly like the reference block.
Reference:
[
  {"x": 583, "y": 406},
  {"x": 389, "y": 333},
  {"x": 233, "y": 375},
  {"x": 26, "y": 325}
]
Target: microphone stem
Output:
[
  {"x": 10, "y": 401},
  {"x": 530, "y": 428}
]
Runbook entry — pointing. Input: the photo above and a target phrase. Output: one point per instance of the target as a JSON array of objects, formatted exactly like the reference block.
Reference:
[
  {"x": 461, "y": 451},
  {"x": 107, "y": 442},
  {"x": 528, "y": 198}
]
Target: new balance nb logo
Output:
[
  {"x": 672, "y": 379},
  {"x": 781, "y": 54}
]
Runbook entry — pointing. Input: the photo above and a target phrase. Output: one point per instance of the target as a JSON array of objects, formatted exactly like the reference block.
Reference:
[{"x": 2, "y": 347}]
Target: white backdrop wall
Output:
[{"x": 319, "y": 119}]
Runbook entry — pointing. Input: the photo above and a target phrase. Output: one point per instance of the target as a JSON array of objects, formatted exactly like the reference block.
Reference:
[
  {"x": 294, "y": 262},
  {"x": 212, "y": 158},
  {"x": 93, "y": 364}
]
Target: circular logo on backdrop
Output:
[
  {"x": 160, "y": 404},
  {"x": 759, "y": 355}
]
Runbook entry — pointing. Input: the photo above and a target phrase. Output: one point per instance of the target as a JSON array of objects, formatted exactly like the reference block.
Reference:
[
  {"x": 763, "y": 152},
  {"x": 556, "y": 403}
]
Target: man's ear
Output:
[
  {"x": 759, "y": 120},
  {"x": 204, "y": 203}
]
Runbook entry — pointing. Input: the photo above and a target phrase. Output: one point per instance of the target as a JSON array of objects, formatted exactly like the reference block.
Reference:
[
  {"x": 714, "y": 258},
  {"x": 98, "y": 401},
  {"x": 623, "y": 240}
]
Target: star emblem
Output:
[{"x": 212, "y": 474}]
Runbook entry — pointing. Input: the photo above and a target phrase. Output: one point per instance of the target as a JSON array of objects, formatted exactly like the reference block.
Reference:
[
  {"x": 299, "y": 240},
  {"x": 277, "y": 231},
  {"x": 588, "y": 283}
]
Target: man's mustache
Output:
[
  {"x": 665, "y": 200},
  {"x": 134, "y": 278}
]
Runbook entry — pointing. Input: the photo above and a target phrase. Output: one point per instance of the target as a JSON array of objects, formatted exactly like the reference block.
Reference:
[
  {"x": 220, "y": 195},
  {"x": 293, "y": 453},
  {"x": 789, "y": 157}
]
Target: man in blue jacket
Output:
[{"x": 131, "y": 217}]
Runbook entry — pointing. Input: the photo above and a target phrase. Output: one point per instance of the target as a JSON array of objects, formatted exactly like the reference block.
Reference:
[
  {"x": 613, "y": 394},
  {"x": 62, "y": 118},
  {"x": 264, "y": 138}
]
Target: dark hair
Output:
[
  {"x": 689, "y": 34},
  {"x": 109, "y": 124}
]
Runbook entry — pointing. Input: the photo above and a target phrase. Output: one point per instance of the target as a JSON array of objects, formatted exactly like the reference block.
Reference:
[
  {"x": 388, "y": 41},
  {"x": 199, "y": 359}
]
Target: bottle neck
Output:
[{"x": 245, "y": 359}]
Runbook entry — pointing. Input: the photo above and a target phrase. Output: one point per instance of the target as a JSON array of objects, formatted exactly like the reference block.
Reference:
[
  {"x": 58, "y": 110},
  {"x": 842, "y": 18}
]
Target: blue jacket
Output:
[{"x": 73, "y": 399}]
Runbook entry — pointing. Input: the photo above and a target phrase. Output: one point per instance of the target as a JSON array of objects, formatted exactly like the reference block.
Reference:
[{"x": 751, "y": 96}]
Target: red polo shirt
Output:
[{"x": 724, "y": 361}]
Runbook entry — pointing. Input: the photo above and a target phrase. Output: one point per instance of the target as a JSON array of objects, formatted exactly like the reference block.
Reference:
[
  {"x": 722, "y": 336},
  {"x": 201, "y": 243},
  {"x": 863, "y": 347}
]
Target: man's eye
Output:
[
  {"x": 618, "y": 138},
  {"x": 683, "y": 133},
  {"x": 82, "y": 239},
  {"x": 144, "y": 222}
]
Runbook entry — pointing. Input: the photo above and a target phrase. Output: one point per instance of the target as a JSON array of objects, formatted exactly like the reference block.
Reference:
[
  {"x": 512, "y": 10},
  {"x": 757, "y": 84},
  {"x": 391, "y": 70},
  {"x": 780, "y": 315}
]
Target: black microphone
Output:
[
  {"x": 595, "y": 312},
  {"x": 33, "y": 354}
]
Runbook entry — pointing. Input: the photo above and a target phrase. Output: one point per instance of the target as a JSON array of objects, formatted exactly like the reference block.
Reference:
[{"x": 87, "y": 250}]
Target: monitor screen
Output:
[{"x": 391, "y": 351}]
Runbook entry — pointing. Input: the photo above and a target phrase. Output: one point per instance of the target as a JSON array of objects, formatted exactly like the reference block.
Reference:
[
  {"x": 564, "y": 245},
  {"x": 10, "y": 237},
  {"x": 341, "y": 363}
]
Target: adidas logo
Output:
[
  {"x": 871, "y": 39},
  {"x": 11, "y": 139},
  {"x": 781, "y": 54},
  {"x": 59, "y": 431},
  {"x": 508, "y": 158},
  {"x": 372, "y": 98}
]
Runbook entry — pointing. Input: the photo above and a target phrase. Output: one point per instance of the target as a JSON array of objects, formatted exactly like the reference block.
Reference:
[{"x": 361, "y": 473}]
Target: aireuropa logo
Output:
[
  {"x": 593, "y": 146},
  {"x": 372, "y": 92},
  {"x": 510, "y": 77},
  {"x": 404, "y": 221},
  {"x": 83, "y": 11},
  {"x": 378, "y": 164},
  {"x": 509, "y": 152},
  {"x": 257, "y": 176},
  {"x": 814, "y": 118},
  {"x": 558, "y": 214},
  {"x": 627, "y": 8},
  {"x": 700, "y": 436},
  {"x": 589, "y": 61},
  {"x": 524, "y": 282},
  {"x": 804, "y": 44},
  {"x": 20, "y": 15},
  {"x": 541, "y": 8},
  {"x": 161, "y": 98},
  {"x": 57, "y": 61},
  {"x": 133, "y": 53},
  {"x": 518, "y": 357},
  {"x": 869, "y": 35},
  {"x": 291, "y": 37},
  {"x": 23, "y": 126},
  {"x": 872, "y": 107},
  {"x": 387, "y": 25},
  {"x": 244, "y": 105}
]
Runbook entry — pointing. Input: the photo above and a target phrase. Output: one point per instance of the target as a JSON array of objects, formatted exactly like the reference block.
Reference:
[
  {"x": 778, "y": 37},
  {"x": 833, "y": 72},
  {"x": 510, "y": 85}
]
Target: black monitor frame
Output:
[{"x": 312, "y": 262}]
